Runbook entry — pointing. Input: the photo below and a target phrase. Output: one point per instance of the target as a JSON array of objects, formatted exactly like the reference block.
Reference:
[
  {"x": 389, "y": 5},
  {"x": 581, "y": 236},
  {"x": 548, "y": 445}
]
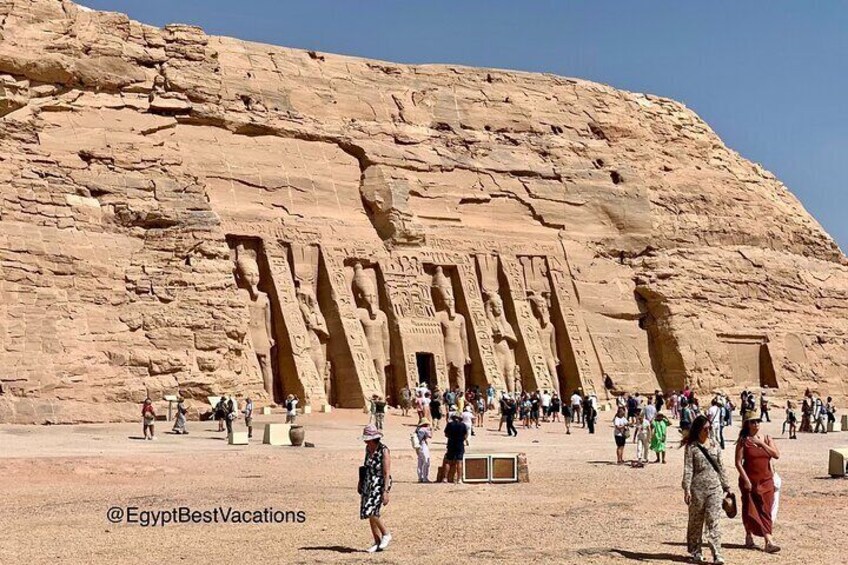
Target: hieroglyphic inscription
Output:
[
  {"x": 526, "y": 326},
  {"x": 281, "y": 276},
  {"x": 578, "y": 333}
]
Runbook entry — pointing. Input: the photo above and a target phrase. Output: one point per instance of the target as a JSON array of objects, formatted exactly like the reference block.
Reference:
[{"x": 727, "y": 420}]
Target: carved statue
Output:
[
  {"x": 260, "y": 329},
  {"x": 316, "y": 327},
  {"x": 375, "y": 325},
  {"x": 453, "y": 330},
  {"x": 504, "y": 338},
  {"x": 547, "y": 335}
]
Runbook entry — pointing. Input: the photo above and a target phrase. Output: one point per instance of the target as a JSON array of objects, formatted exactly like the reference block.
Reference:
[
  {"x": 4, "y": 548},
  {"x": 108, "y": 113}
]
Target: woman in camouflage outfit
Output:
[{"x": 703, "y": 490}]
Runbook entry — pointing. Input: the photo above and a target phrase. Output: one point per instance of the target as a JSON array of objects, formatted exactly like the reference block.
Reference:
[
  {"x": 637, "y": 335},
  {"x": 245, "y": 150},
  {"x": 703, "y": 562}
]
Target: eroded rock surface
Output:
[{"x": 136, "y": 161}]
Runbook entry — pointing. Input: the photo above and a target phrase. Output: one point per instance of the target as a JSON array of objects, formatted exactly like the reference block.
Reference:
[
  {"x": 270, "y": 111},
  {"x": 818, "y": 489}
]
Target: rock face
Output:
[{"x": 396, "y": 219}]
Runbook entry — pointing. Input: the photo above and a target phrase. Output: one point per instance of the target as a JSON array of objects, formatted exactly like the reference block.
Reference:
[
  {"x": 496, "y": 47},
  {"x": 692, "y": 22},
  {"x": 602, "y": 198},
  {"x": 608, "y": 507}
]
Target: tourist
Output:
[
  {"x": 435, "y": 411},
  {"x": 674, "y": 405},
  {"x": 714, "y": 417},
  {"x": 545, "y": 400},
  {"x": 380, "y": 412},
  {"x": 221, "y": 412},
  {"x": 576, "y": 401},
  {"x": 509, "y": 409},
  {"x": 291, "y": 408},
  {"x": 405, "y": 400},
  {"x": 148, "y": 418},
  {"x": 620, "y": 423},
  {"x": 460, "y": 400},
  {"x": 642, "y": 437},
  {"x": 468, "y": 420},
  {"x": 820, "y": 416},
  {"x": 764, "y": 406},
  {"x": 490, "y": 397},
  {"x": 567, "y": 415},
  {"x": 375, "y": 484},
  {"x": 686, "y": 416},
  {"x": 481, "y": 410},
  {"x": 754, "y": 453},
  {"x": 229, "y": 414},
  {"x": 590, "y": 413},
  {"x": 180, "y": 420},
  {"x": 659, "y": 400},
  {"x": 457, "y": 433},
  {"x": 650, "y": 411},
  {"x": 556, "y": 405},
  {"x": 423, "y": 435},
  {"x": 807, "y": 412},
  {"x": 248, "y": 416},
  {"x": 791, "y": 420},
  {"x": 830, "y": 410},
  {"x": 525, "y": 410},
  {"x": 704, "y": 485},
  {"x": 535, "y": 408},
  {"x": 659, "y": 433},
  {"x": 729, "y": 407}
]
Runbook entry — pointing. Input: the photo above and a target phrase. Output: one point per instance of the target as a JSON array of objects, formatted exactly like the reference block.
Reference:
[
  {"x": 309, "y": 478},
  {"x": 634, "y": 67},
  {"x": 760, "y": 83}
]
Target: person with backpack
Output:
[
  {"x": 229, "y": 414},
  {"x": 148, "y": 418},
  {"x": 291, "y": 408},
  {"x": 220, "y": 412},
  {"x": 421, "y": 444},
  {"x": 705, "y": 485}
]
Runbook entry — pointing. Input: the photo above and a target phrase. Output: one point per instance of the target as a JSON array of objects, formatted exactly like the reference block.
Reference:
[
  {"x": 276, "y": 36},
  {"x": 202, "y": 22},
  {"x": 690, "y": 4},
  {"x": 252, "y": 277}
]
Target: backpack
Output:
[{"x": 415, "y": 440}]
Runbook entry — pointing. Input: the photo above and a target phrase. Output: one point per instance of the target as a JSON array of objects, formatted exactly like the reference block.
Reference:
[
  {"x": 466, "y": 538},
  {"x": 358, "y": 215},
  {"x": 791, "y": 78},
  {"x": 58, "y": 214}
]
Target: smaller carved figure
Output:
[
  {"x": 504, "y": 338},
  {"x": 547, "y": 335},
  {"x": 374, "y": 322},
  {"x": 316, "y": 327},
  {"x": 453, "y": 329}
]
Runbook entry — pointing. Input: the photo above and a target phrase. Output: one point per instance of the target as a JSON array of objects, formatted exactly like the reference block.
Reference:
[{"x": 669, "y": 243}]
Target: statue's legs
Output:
[
  {"x": 381, "y": 376},
  {"x": 267, "y": 376},
  {"x": 456, "y": 377},
  {"x": 552, "y": 369}
]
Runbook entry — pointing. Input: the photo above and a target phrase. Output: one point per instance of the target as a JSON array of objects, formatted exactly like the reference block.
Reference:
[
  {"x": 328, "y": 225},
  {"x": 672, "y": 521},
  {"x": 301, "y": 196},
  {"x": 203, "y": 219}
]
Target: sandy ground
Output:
[{"x": 58, "y": 482}]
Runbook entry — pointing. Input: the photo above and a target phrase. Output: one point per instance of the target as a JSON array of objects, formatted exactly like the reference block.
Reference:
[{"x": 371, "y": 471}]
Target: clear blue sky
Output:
[{"x": 770, "y": 76}]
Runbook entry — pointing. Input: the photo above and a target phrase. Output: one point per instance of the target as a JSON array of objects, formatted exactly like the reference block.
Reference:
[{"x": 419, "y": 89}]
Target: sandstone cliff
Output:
[{"x": 136, "y": 163}]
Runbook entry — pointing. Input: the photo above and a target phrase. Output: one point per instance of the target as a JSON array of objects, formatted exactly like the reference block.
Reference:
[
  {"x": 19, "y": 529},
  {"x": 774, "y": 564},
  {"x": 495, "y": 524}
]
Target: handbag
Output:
[
  {"x": 363, "y": 472},
  {"x": 728, "y": 503}
]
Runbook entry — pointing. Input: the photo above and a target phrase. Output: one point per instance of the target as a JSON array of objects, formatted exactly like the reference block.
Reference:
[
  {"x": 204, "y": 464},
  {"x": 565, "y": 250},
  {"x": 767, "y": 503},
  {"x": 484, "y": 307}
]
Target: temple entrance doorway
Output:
[{"x": 426, "y": 369}]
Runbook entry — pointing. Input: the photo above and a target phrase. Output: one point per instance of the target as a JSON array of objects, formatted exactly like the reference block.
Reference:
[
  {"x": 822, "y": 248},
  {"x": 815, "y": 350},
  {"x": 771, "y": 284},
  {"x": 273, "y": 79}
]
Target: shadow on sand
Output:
[
  {"x": 644, "y": 556},
  {"x": 336, "y": 548}
]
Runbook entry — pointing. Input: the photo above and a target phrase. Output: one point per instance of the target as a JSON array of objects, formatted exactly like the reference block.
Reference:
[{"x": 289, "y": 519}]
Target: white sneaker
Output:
[
  {"x": 384, "y": 542},
  {"x": 374, "y": 548}
]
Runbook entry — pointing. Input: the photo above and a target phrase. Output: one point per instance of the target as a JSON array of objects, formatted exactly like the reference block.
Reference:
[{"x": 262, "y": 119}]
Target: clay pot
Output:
[{"x": 297, "y": 435}]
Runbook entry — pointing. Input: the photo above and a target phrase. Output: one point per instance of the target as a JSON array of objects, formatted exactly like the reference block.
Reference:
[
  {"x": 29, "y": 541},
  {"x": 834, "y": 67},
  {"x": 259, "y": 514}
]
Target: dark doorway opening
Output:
[{"x": 426, "y": 369}]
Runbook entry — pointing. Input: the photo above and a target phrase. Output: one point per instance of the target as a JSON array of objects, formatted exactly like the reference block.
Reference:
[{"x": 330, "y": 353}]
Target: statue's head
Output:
[
  {"x": 539, "y": 303},
  {"x": 364, "y": 290},
  {"x": 248, "y": 270},
  {"x": 493, "y": 301},
  {"x": 443, "y": 292}
]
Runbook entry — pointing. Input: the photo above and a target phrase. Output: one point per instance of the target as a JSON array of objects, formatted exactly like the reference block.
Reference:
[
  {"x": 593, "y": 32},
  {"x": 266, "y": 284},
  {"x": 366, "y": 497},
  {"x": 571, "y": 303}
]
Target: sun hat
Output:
[
  {"x": 751, "y": 416},
  {"x": 370, "y": 433},
  {"x": 423, "y": 422}
]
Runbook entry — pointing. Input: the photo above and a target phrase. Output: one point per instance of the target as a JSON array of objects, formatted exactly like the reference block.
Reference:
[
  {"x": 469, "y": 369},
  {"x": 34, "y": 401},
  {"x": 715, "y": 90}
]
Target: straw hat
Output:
[
  {"x": 423, "y": 422},
  {"x": 370, "y": 433},
  {"x": 751, "y": 416}
]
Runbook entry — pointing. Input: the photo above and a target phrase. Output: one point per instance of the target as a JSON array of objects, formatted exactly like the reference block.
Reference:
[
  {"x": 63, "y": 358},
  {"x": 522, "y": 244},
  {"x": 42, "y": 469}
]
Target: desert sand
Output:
[{"x": 579, "y": 507}]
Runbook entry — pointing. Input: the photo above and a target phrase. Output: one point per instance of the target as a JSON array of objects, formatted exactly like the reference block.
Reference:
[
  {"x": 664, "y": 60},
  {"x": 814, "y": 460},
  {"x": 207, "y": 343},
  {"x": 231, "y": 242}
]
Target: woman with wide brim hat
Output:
[
  {"x": 423, "y": 433},
  {"x": 375, "y": 482},
  {"x": 754, "y": 452}
]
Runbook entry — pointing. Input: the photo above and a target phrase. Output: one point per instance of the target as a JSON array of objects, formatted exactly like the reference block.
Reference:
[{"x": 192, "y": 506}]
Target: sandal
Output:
[{"x": 771, "y": 548}]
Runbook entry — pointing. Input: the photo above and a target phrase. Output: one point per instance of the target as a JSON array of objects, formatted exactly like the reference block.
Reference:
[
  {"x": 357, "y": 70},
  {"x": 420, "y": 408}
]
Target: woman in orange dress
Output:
[{"x": 754, "y": 453}]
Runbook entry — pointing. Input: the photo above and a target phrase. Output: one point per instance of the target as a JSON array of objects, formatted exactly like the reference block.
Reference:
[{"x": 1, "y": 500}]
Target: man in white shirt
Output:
[
  {"x": 576, "y": 401},
  {"x": 650, "y": 412},
  {"x": 714, "y": 418},
  {"x": 546, "y": 405}
]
